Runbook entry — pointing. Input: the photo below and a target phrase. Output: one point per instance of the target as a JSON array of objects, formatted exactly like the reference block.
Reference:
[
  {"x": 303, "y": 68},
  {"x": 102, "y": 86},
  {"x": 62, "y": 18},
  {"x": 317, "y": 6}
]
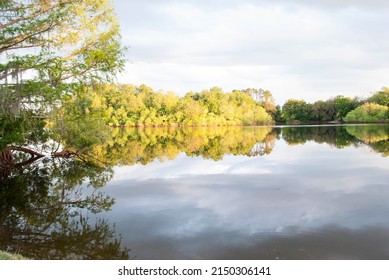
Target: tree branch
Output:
[
  {"x": 26, "y": 150},
  {"x": 10, "y": 43},
  {"x": 36, "y": 14}
]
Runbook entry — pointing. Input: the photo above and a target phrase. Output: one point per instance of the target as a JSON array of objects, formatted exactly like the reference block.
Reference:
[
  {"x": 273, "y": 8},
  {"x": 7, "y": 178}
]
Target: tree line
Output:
[
  {"x": 132, "y": 106},
  {"x": 338, "y": 109},
  {"x": 139, "y": 106}
]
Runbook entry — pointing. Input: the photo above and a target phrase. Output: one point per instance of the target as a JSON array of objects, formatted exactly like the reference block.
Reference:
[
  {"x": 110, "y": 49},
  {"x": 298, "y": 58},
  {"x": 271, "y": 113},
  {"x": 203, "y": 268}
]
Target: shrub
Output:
[{"x": 368, "y": 112}]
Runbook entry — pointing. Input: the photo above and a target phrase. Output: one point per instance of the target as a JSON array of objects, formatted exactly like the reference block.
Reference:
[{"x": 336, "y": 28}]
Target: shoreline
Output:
[{"x": 253, "y": 125}]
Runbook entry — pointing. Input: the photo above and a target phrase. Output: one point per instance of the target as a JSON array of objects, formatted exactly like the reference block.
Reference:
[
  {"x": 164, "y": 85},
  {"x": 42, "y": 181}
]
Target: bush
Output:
[{"x": 368, "y": 112}]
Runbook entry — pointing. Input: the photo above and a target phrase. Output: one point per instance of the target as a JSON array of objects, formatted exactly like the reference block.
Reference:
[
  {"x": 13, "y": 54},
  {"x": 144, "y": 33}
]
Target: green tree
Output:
[
  {"x": 369, "y": 112},
  {"x": 296, "y": 110},
  {"x": 380, "y": 97},
  {"x": 66, "y": 39},
  {"x": 344, "y": 105},
  {"x": 324, "y": 110},
  {"x": 51, "y": 48},
  {"x": 278, "y": 115}
]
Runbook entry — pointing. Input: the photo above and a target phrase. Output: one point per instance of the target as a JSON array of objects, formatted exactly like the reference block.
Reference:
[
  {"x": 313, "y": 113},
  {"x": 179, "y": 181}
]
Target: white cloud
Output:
[{"x": 297, "y": 50}]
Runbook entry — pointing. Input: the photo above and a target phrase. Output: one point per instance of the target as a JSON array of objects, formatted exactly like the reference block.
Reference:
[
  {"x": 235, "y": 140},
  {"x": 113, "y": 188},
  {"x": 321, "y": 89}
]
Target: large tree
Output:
[
  {"x": 380, "y": 97},
  {"x": 49, "y": 49},
  {"x": 296, "y": 110},
  {"x": 48, "y": 45}
]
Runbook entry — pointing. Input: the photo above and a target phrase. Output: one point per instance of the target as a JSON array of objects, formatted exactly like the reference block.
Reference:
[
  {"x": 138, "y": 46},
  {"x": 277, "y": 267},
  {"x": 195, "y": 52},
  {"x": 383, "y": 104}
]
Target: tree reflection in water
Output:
[
  {"x": 144, "y": 145},
  {"x": 8, "y": 162},
  {"x": 46, "y": 206},
  {"x": 45, "y": 212},
  {"x": 374, "y": 136}
]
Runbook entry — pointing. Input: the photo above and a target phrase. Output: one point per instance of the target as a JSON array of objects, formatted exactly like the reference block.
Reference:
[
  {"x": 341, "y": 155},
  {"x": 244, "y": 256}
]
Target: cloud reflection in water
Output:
[{"x": 312, "y": 201}]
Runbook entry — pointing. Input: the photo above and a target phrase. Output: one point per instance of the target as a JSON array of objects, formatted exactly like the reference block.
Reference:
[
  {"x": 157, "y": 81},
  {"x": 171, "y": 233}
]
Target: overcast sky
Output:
[{"x": 296, "y": 49}]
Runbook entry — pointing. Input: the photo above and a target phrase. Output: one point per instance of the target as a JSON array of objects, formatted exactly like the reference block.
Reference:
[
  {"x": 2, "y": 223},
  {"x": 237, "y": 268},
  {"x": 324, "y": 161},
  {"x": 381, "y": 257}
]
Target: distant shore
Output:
[
  {"x": 337, "y": 122},
  {"x": 328, "y": 122}
]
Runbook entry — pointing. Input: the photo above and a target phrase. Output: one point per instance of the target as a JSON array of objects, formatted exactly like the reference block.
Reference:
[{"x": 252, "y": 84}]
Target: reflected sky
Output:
[
  {"x": 310, "y": 201},
  {"x": 308, "y": 192}
]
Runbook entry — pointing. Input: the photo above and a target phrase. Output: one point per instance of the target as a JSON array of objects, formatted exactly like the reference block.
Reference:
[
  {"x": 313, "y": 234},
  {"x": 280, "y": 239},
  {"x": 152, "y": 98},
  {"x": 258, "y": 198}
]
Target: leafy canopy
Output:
[{"x": 48, "y": 49}]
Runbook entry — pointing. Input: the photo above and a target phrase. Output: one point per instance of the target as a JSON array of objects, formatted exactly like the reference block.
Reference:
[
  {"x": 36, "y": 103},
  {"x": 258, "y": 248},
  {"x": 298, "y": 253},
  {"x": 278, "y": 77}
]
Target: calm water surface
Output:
[{"x": 248, "y": 193}]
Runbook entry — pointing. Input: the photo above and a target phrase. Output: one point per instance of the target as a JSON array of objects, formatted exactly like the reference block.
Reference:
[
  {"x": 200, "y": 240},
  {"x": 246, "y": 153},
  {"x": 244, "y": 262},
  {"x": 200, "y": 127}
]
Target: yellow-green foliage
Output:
[
  {"x": 368, "y": 112},
  {"x": 130, "y": 106},
  {"x": 369, "y": 134},
  {"x": 377, "y": 137},
  {"x": 130, "y": 146}
]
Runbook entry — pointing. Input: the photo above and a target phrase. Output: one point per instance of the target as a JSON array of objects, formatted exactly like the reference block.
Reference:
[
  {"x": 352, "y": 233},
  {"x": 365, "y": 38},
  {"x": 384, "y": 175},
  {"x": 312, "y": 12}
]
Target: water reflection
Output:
[
  {"x": 217, "y": 215},
  {"x": 377, "y": 137},
  {"x": 330, "y": 242},
  {"x": 210, "y": 193},
  {"x": 131, "y": 146},
  {"x": 374, "y": 136},
  {"x": 12, "y": 158},
  {"x": 308, "y": 201},
  {"x": 336, "y": 136},
  {"x": 45, "y": 212}
]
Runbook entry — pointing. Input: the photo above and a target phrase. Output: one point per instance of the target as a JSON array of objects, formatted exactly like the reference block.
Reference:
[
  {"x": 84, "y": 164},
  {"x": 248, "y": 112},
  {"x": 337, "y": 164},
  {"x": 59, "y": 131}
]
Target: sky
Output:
[{"x": 299, "y": 49}]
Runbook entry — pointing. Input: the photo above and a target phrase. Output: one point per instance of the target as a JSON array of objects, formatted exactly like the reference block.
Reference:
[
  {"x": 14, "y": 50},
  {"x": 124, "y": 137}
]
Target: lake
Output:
[{"x": 287, "y": 192}]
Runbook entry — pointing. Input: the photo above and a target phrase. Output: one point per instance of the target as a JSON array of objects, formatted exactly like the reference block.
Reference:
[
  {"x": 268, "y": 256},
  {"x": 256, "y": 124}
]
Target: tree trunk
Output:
[{"x": 6, "y": 163}]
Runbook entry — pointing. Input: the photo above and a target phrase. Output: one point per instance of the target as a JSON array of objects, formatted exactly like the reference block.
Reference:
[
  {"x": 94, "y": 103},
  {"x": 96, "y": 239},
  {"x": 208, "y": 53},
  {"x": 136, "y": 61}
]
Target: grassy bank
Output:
[{"x": 9, "y": 256}]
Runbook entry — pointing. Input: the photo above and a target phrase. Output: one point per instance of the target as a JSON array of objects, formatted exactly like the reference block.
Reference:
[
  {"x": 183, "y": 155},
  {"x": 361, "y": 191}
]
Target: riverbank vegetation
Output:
[
  {"x": 368, "y": 112},
  {"x": 338, "y": 109},
  {"x": 131, "y": 106},
  {"x": 141, "y": 106}
]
